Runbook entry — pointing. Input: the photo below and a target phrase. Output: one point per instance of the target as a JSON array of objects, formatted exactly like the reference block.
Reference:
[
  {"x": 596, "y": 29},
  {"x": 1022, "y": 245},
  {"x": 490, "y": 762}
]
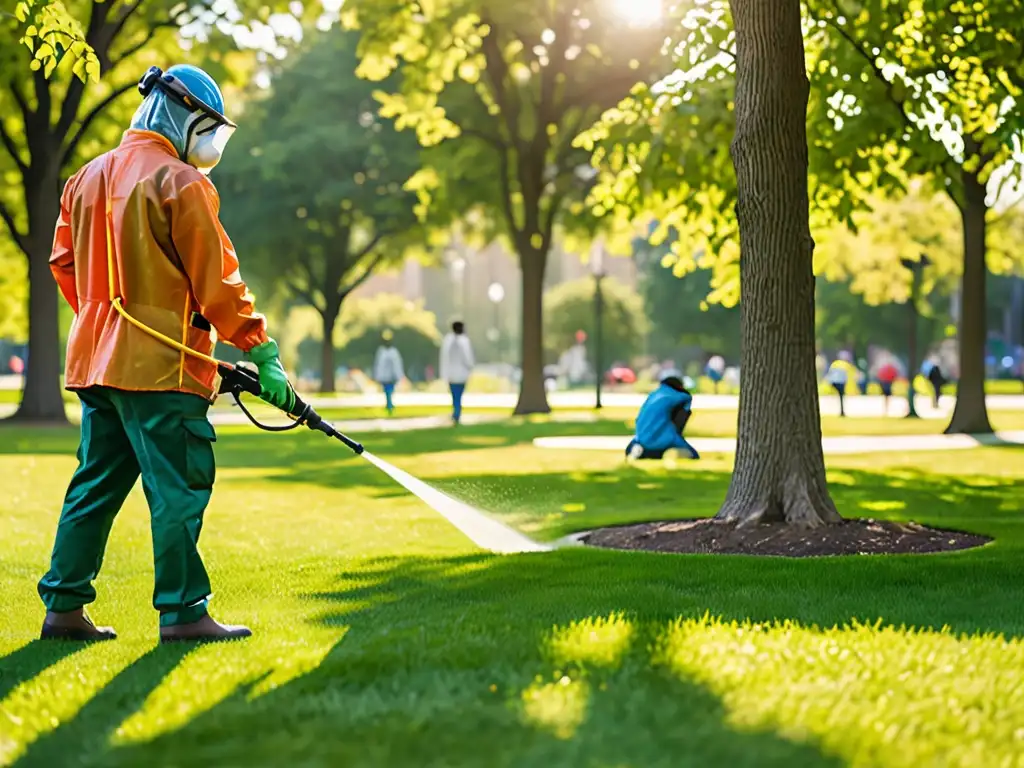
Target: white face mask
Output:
[{"x": 206, "y": 141}]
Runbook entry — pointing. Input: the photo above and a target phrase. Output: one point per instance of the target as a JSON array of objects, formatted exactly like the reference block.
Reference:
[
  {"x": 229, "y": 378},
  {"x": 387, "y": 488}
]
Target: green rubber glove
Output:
[{"x": 273, "y": 380}]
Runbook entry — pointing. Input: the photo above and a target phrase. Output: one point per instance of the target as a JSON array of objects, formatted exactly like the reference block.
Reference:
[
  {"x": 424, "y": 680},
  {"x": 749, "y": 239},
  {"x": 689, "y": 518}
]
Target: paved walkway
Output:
[
  {"x": 831, "y": 445},
  {"x": 857, "y": 406},
  {"x": 234, "y": 417}
]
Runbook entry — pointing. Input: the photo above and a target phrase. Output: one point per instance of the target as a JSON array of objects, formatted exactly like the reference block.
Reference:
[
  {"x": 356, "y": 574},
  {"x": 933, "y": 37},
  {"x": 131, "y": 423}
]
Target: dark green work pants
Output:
[{"x": 166, "y": 438}]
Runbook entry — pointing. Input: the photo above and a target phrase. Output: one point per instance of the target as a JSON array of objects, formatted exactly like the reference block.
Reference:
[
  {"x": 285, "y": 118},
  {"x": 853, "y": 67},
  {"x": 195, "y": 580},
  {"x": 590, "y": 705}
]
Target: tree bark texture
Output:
[
  {"x": 327, "y": 382},
  {"x": 42, "y": 401},
  {"x": 779, "y": 473},
  {"x": 532, "y": 395},
  {"x": 970, "y": 415}
]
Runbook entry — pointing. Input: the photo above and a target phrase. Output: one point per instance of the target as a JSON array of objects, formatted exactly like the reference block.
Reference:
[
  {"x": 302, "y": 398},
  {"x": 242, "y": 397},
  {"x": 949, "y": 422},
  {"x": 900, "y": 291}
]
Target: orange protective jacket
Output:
[{"x": 175, "y": 271}]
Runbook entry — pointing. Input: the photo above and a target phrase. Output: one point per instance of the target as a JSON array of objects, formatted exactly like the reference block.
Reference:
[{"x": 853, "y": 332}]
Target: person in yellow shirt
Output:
[
  {"x": 141, "y": 223},
  {"x": 838, "y": 376}
]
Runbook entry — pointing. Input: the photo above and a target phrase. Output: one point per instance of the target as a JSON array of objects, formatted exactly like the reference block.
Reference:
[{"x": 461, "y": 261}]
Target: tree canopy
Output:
[
  {"x": 500, "y": 91},
  {"x": 899, "y": 92}
]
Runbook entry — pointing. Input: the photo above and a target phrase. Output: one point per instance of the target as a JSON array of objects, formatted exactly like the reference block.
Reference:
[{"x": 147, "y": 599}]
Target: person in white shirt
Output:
[
  {"x": 387, "y": 368},
  {"x": 456, "y": 365}
]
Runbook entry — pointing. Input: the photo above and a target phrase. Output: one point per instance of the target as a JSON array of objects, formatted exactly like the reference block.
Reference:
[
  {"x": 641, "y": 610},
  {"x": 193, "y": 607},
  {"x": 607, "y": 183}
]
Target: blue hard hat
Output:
[{"x": 200, "y": 84}]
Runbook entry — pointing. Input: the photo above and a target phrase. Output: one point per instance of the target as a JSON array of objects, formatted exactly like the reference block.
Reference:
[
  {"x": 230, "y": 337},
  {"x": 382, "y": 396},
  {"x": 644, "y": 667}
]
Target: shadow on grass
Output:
[
  {"x": 446, "y": 661},
  {"x": 30, "y": 660},
  {"x": 552, "y": 504},
  {"x": 445, "y": 664},
  {"x": 89, "y": 732}
]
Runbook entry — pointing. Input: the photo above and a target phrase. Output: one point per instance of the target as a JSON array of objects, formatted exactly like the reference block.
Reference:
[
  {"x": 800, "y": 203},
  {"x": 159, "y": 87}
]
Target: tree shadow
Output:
[
  {"x": 549, "y": 505},
  {"x": 86, "y": 736},
  {"x": 30, "y": 660},
  {"x": 436, "y": 670}
]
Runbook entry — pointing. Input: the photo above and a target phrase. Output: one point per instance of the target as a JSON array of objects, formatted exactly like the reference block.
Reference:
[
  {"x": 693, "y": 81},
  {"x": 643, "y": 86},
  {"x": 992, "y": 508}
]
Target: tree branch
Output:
[
  {"x": 18, "y": 237},
  {"x": 496, "y": 68},
  {"x": 12, "y": 149},
  {"x": 126, "y": 12},
  {"x": 98, "y": 37},
  {"x": 372, "y": 244},
  {"x": 21, "y": 101},
  {"x": 89, "y": 117},
  {"x": 153, "y": 31},
  {"x": 303, "y": 293},
  {"x": 866, "y": 55},
  {"x": 568, "y": 135},
  {"x": 374, "y": 263},
  {"x": 307, "y": 267},
  {"x": 43, "y": 102},
  {"x": 505, "y": 180},
  {"x": 605, "y": 93},
  {"x": 548, "y": 225},
  {"x": 550, "y": 75},
  {"x": 495, "y": 141}
]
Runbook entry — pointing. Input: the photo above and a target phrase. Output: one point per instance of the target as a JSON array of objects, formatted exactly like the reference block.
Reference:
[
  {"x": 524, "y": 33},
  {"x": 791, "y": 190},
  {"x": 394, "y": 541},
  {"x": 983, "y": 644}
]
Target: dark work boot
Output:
[
  {"x": 75, "y": 626},
  {"x": 203, "y": 631}
]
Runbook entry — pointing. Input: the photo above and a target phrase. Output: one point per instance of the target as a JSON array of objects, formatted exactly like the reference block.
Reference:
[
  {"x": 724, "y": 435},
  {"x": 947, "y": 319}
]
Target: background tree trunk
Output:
[
  {"x": 970, "y": 415},
  {"x": 532, "y": 396},
  {"x": 779, "y": 473},
  {"x": 327, "y": 351},
  {"x": 42, "y": 401}
]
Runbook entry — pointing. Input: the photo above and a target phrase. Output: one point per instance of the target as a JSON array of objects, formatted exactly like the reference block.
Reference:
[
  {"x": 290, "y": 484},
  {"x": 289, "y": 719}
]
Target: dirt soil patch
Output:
[{"x": 851, "y": 537}]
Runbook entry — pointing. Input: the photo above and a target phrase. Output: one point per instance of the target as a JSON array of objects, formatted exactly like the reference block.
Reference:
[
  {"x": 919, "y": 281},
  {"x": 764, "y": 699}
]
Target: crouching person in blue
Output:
[{"x": 660, "y": 423}]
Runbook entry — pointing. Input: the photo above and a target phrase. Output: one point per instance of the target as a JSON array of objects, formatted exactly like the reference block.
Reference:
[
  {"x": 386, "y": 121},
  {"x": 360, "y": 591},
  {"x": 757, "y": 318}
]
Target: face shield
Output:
[
  {"x": 205, "y": 139},
  {"x": 207, "y": 130}
]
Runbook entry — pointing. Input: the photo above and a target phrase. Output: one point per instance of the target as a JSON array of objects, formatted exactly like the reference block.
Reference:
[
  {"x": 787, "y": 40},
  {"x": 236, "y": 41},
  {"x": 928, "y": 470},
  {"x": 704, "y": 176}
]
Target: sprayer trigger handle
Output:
[{"x": 238, "y": 379}]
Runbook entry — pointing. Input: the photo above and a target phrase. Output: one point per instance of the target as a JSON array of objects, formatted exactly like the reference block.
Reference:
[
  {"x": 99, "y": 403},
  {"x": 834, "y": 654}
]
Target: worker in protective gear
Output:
[
  {"x": 144, "y": 402},
  {"x": 661, "y": 421}
]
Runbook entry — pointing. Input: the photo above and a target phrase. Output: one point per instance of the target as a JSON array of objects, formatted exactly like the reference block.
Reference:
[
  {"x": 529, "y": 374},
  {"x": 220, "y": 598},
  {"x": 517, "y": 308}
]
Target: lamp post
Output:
[
  {"x": 916, "y": 267},
  {"x": 496, "y": 294},
  {"x": 597, "y": 269}
]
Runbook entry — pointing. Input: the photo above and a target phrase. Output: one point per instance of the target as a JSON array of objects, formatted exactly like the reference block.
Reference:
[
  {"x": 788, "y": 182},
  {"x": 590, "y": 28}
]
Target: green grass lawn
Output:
[{"x": 384, "y": 638}]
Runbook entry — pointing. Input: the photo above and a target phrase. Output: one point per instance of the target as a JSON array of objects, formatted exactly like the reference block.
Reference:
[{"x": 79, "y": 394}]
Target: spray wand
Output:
[{"x": 235, "y": 380}]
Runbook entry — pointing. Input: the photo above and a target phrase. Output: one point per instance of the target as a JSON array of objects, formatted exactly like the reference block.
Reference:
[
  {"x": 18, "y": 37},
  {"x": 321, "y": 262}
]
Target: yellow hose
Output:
[{"x": 116, "y": 301}]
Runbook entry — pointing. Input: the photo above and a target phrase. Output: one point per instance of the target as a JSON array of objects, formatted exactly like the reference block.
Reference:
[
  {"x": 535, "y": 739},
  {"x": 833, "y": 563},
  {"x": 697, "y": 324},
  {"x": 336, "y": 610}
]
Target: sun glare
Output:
[{"x": 638, "y": 12}]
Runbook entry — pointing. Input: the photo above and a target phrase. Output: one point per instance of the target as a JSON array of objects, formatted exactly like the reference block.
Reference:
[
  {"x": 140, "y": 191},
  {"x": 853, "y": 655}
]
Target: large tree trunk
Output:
[
  {"x": 779, "y": 473},
  {"x": 532, "y": 396},
  {"x": 327, "y": 351},
  {"x": 42, "y": 401},
  {"x": 970, "y": 416}
]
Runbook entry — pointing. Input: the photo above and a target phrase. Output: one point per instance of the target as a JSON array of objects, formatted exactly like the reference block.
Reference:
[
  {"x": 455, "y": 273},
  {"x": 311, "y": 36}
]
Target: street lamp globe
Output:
[{"x": 496, "y": 292}]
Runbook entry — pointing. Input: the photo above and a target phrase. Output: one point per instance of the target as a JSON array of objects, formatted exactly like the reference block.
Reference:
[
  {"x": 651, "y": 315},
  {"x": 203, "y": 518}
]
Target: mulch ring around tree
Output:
[{"x": 850, "y": 537}]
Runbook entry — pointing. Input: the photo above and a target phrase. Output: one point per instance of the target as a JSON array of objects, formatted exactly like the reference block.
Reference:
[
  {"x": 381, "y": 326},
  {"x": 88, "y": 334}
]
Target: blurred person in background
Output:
[
  {"x": 456, "y": 365},
  {"x": 931, "y": 369},
  {"x": 838, "y": 376},
  {"x": 862, "y": 376},
  {"x": 715, "y": 370},
  {"x": 141, "y": 222},
  {"x": 887, "y": 374},
  {"x": 387, "y": 368}
]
